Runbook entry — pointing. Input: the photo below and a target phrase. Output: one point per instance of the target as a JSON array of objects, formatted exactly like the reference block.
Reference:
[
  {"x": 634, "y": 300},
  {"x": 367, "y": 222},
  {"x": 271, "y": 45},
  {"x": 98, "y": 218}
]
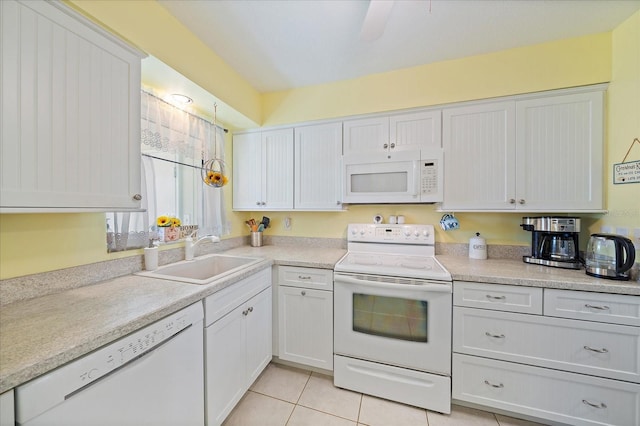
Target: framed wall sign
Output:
[{"x": 627, "y": 172}]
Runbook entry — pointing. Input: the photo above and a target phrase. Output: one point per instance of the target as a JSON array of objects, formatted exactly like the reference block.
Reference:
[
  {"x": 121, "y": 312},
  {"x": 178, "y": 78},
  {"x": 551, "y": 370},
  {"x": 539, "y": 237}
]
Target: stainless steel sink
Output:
[{"x": 202, "y": 270}]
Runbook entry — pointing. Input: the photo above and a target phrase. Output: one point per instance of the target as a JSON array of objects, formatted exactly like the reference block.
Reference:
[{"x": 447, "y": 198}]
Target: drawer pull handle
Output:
[
  {"x": 600, "y": 308},
  {"x": 490, "y": 297},
  {"x": 304, "y": 277},
  {"x": 600, "y": 351},
  {"x": 496, "y": 336},
  {"x": 304, "y": 293},
  {"x": 245, "y": 312},
  {"x": 499, "y": 385},
  {"x": 591, "y": 404}
]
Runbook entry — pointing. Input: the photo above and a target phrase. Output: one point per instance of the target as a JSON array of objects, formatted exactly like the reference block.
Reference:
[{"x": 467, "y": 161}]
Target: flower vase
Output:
[{"x": 169, "y": 233}]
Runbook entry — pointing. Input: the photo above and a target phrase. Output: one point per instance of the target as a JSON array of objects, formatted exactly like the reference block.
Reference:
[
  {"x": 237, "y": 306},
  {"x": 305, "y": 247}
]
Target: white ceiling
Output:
[{"x": 277, "y": 45}]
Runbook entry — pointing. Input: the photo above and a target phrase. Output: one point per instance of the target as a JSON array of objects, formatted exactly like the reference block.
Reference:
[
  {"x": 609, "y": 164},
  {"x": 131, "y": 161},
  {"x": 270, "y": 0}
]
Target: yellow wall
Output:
[
  {"x": 564, "y": 63},
  {"x": 623, "y": 201},
  {"x": 43, "y": 242}
]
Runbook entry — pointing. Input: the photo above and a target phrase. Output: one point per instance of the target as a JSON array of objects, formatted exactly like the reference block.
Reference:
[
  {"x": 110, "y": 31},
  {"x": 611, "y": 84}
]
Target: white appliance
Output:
[
  {"x": 402, "y": 177},
  {"x": 154, "y": 376},
  {"x": 392, "y": 316}
]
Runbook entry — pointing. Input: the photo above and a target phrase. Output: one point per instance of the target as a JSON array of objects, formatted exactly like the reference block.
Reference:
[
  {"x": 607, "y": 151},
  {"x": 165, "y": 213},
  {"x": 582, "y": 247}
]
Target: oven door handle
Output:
[{"x": 438, "y": 288}]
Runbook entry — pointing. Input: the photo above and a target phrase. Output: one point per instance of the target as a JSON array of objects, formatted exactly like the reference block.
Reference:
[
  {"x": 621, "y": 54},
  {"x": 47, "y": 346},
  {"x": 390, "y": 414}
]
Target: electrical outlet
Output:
[
  {"x": 287, "y": 223},
  {"x": 636, "y": 238},
  {"x": 606, "y": 229},
  {"x": 622, "y": 231}
]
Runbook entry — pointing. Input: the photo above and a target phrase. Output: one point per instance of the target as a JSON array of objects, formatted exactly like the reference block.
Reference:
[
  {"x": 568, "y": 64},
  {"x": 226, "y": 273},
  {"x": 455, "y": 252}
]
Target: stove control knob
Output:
[
  {"x": 362, "y": 232},
  {"x": 407, "y": 232},
  {"x": 416, "y": 233},
  {"x": 425, "y": 232},
  {"x": 354, "y": 231}
]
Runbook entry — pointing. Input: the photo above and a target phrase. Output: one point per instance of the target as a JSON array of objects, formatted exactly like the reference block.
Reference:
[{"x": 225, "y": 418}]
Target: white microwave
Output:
[{"x": 404, "y": 177}]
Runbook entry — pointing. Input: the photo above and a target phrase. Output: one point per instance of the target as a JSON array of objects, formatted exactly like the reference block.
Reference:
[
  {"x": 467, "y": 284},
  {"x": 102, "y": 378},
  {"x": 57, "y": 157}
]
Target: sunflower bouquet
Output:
[
  {"x": 216, "y": 179},
  {"x": 168, "y": 228}
]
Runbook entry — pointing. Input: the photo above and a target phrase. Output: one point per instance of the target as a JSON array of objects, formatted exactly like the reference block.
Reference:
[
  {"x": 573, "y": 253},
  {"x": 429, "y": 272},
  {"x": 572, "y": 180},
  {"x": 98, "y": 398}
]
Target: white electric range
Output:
[{"x": 392, "y": 316}]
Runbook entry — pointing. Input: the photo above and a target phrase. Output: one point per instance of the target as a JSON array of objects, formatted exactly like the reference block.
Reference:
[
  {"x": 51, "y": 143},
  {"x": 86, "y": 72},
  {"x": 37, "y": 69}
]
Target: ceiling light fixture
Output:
[{"x": 179, "y": 99}]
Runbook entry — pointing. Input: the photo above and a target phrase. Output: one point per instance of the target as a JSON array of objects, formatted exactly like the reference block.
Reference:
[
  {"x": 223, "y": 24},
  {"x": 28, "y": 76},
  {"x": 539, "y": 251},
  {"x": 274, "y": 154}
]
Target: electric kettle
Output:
[{"x": 609, "y": 256}]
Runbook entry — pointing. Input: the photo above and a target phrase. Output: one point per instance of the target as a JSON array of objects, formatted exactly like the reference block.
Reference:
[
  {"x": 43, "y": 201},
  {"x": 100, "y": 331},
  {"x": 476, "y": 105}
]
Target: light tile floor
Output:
[{"x": 289, "y": 396}]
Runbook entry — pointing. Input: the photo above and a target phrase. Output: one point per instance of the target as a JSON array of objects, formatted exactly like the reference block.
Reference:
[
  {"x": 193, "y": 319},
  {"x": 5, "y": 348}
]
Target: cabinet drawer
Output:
[
  {"x": 510, "y": 298},
  {"x": 553, "y": 395},
  {"x": 293, "y": 276},
  {"x": 605, "y": 350},
  {"x": 221, "y": 303},
  {"x": 602, "y": 307}
]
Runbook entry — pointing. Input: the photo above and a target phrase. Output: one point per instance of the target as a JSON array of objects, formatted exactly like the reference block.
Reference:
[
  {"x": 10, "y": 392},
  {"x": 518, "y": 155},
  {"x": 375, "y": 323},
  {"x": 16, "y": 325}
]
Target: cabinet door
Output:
[
  {"x": 318, "y": 174},
  {"x": 479, "y": 157},
  {"x": 247, "y": 173},
  {"x": 226, "y": 366},
  {"x": 70, "y": 112},
  {"x": 560, "y": 152},
  {"x": 277, "y": 170},
  {"x": 366, "y": 135},
  {"x": 305, "y": 321},
  {"x": 258, "y": 332},
  {"x": 416, "y": 131},
  {"x": 7, "y": 415}
]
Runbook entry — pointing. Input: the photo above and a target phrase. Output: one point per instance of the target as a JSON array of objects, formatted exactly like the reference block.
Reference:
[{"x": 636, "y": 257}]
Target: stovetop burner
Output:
[{"x": 392, "y": 250}]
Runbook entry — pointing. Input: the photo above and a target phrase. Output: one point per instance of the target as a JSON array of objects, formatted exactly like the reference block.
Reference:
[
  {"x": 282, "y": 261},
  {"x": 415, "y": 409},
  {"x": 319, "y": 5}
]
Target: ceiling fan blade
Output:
[{"x": 376, "y": 19}]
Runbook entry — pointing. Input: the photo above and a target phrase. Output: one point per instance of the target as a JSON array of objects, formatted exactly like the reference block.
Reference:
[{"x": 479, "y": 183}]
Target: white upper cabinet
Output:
[
  {"x": 402, "y": 132},
  {"x": 318, "y": 177},
  {"x": 247, "y": 171},
  {"x": 479, "y": 156},
  {"x": 538, "y": 152},
  {"x": 560, "y": 146},
  {"x": 263, "y": 170},
  {"x": 70, "y": 112}
]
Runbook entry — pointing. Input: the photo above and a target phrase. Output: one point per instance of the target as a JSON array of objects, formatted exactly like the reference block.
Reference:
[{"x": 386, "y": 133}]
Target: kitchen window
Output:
[{"x": 174, "y": 144}]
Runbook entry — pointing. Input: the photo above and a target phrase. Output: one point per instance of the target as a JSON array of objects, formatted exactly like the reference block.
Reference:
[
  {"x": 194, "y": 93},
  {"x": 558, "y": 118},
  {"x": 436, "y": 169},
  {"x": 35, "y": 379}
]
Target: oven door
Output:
[{"x": 403, "y": 324}]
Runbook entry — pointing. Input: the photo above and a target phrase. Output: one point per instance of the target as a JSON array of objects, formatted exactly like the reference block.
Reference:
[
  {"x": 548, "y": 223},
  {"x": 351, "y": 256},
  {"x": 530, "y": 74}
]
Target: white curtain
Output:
[{"x": 174, "y": 146}]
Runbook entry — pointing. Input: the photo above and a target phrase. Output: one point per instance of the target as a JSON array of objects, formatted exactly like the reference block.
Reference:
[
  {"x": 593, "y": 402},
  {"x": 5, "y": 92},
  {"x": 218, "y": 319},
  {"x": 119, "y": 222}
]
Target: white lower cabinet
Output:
[
  {"x": 237, "y": 342},
  {"x": 7, "y": 412},
  {"x": 305, "y": 316},
  {"x": 544, "y": 363},
  {"x": 575, "y": 399}
]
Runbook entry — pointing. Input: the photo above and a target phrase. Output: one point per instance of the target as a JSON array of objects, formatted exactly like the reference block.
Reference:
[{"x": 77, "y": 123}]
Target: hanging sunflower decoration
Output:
[
  {"x": 213, "y": 171},
  {"x": 216, "y": 179}
]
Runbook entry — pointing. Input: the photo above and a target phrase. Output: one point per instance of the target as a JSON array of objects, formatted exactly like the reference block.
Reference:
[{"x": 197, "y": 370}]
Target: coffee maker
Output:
[{"x": 554, "y": 241}]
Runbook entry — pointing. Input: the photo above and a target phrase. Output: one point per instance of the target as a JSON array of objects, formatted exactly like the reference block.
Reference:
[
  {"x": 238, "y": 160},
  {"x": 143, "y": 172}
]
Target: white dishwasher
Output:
[{"x": 154, "y": 376}]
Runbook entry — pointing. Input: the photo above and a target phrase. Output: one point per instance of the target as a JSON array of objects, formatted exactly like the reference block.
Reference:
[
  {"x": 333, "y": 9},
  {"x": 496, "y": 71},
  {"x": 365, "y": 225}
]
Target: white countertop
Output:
[
  {"x": 38, "y": 335},
  {"x": 516, "y": 272}
]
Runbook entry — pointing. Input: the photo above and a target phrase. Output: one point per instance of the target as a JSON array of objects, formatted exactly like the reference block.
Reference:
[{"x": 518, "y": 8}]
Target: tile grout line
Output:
[{"x": 295, "y": 404}]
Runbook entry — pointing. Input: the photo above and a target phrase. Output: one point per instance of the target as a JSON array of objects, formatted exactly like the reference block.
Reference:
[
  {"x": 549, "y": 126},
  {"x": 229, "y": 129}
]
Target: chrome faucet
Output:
[{"x": 189, "y": 244}]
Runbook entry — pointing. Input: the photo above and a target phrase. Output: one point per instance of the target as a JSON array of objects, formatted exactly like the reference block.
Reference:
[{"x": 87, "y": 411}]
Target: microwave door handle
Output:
[
  {"x": 417, "y": 177},
  {"x": 437, "y": 288}
]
